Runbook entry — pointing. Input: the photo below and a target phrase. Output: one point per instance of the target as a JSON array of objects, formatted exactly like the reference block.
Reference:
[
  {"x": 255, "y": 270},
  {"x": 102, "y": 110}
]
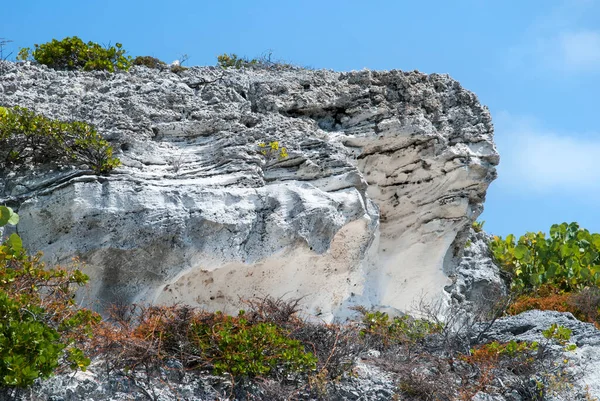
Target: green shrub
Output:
[
  {"x": 148, "y": 61},
  {"x": 29, "y": 349},
  {"x": 494, "y": 350},
  {"x": 568, "y": 259},
  {"x": 235, "y": 346},
  {"x": 72, "y": 53},
  {"x": 234, "y": 61},
  {"x": 7, "y": 216},
  {"x": 41, "y": 327},
  {"x": 560, "y": 334},
  {"x": 399, "y": 330},
  {"x": 176, "y": 68},
  {"x": 478, "y": 226},
  {"x": 531, "y": 360},
  {"x": 27, "y": 139}
]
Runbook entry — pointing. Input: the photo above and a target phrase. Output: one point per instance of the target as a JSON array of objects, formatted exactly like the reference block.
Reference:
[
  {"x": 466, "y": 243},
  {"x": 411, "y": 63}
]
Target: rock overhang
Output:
[{"x": 386, "y": 170}]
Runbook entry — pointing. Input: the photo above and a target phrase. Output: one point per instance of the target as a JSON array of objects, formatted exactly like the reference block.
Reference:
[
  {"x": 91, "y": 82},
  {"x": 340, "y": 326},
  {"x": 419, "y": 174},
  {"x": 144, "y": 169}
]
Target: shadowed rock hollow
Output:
[{"x": 386, "y": 171}]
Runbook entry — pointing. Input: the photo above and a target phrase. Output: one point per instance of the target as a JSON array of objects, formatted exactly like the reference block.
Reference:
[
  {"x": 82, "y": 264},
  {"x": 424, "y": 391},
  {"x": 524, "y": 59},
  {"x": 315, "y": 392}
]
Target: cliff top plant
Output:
[
  {"x": 177, "y": 65},
  {"x": 4, "y": 42},
  {"x": 232, "y": 60},
  {"x": 28, "y": 139},
  {"x": 72, "y": 53},
  {"x": 148, "y": 61}
]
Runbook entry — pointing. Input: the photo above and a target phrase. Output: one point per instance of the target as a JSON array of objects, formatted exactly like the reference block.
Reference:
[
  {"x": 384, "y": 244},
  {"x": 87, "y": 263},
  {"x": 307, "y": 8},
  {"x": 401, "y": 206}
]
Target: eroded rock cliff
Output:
[{"x": 385, "y": 173}]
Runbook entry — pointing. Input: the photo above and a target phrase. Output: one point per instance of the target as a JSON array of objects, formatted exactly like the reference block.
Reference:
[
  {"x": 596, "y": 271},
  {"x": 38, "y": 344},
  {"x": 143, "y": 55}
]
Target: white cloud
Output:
[
  {"x": 580, "y": 51},
  {"x": 539, "y": 160},
  {"x": 560, "y": 41}
]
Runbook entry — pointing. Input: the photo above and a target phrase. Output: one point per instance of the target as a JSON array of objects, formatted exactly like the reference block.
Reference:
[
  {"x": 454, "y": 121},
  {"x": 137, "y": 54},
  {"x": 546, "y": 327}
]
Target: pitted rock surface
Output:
[
  {"x": 583, "y": 362},
  {"x": 386, "y": 171},
  {"x": 476, "y": 278}
]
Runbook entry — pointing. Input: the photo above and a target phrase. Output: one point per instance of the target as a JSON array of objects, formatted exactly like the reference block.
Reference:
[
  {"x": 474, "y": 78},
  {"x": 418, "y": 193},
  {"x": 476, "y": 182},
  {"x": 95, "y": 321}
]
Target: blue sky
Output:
[{"x": 535, "y": 64}]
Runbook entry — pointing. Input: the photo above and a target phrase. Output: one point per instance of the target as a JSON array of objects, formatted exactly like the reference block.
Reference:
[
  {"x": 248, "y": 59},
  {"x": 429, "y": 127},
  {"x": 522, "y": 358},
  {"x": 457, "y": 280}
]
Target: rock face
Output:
[
  {"x": 477, "y": 279},
  {"x": 368, "y": 383},
  {"x": 583, "y": 362},
  {"x": 386, "y": 171}
]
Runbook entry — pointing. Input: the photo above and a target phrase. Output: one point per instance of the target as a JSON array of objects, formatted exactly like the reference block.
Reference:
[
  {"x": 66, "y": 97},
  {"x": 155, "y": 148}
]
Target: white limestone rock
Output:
[{"x": 386, "y": 171}]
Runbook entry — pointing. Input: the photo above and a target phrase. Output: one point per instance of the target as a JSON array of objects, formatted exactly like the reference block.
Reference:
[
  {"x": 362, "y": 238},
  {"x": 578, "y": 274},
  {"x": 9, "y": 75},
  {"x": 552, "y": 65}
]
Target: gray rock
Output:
[
  {"x": 480, "y": 396},
  {"x": 584, "y": 362},
  {"x": 385, "y": 170},
  {"x": 477, "y": 282}
]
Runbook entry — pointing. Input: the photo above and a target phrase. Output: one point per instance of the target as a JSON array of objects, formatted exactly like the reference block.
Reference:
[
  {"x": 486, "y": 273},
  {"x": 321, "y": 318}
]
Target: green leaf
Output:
[
  {"x": 15, "y": 242},
  {"x": 5, "y": 215},
  {"x": 585, "y": 273},
  {"x": 553, "y": 268},
  {"x": 14, "y": 219},
  {"x": 520, "y": 251}
]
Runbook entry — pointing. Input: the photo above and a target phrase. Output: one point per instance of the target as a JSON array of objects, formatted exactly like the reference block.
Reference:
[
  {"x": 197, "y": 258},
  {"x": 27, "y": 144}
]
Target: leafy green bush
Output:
[
  {"x": 234, "y": 61},
  {"x": 7, "y": 216},
  {"x": 27, "y": 139},
  {"x": 148, "y": 61},
  {"x": 532, "y": 360},
  {"x": 41, "y": 326},
  {"x": 568, "y": 259},
  {"x": 241, "y": 348},
  {"x": 237, "y": 345},
  {"x": 28, "y": 348},
  {"x": 72, "y": 53},
  {"x": 399, "y": 330},
  {"x": 490, "y": 352}
]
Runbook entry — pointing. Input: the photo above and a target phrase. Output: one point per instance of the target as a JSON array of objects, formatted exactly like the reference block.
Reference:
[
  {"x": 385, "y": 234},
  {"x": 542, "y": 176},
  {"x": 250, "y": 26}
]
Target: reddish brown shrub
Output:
[{"x": 584, "y": 305}]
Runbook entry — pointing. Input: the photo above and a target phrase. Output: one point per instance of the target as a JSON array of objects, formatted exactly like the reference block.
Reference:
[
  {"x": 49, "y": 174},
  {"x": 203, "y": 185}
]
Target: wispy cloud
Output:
[
  {"x": 561, "y": 41},
  {"x": 580, "y": 51},
  {"x": 537, "y": 159}
]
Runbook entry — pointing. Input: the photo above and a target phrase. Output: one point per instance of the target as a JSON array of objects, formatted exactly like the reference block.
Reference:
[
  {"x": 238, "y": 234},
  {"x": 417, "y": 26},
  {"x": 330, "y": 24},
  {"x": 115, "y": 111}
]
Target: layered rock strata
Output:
[{"x": 385, "y": 173}]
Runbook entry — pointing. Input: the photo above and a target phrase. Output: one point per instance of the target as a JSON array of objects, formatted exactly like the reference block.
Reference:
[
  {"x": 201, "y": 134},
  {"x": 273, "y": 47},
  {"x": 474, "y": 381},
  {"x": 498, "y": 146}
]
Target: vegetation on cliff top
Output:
[{"x": 72, "y": 53}]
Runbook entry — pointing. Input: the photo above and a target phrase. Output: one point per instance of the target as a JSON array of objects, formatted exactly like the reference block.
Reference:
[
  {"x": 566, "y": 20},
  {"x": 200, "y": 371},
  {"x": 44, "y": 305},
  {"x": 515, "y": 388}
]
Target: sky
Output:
[{"x": 534, "y": 63}]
